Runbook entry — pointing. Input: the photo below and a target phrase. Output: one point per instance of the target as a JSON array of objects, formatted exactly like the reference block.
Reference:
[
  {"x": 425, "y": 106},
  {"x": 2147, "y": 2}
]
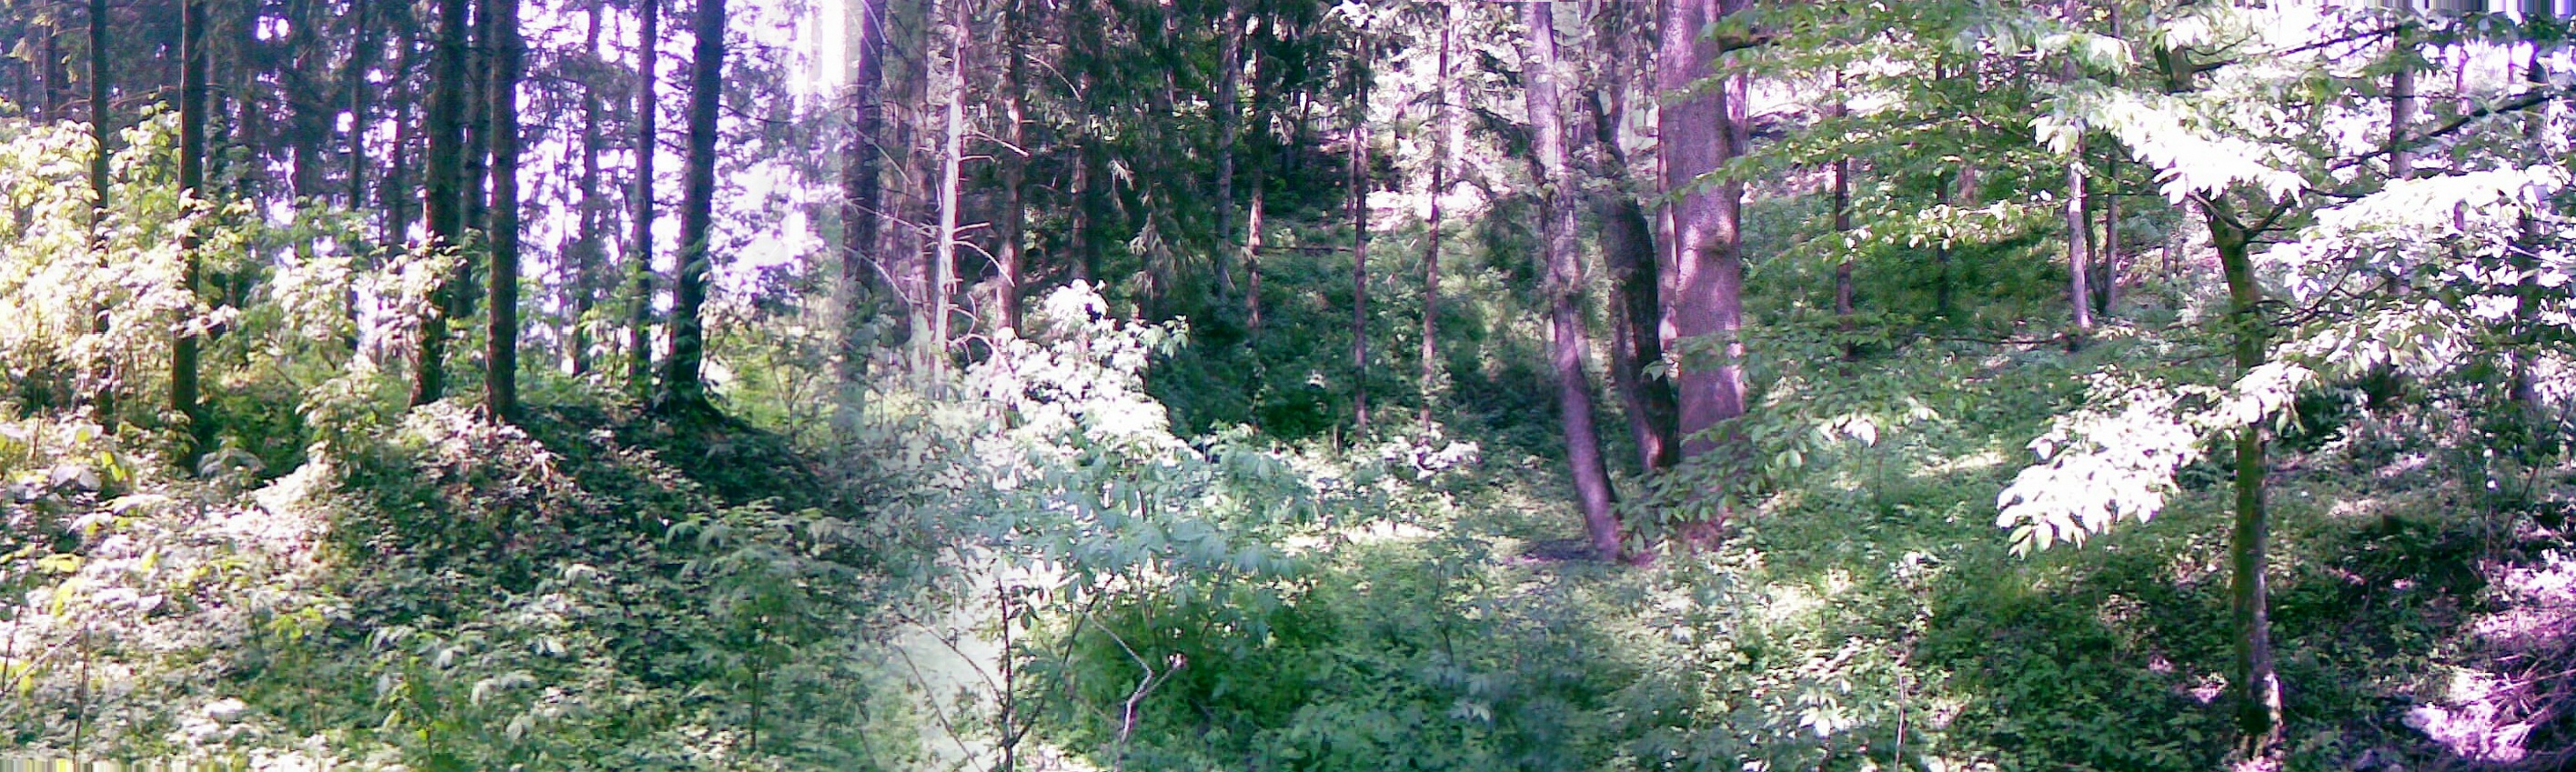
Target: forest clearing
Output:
[{"x": 1011, "y": 385}]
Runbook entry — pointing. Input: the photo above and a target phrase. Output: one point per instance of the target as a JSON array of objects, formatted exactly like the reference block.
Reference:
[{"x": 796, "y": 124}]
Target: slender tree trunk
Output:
[
  {"x": 1591, "y": 472},
  {"x": 588, "y": 244},
  {"x": 862, "y": 209},
  {"x": 366, "y": 50},
  {"x": 1700, "y": 134},
  {"x": 1441, "y": 127},
  {"x": 2112, "y": 265},
  {"x": 1010, "y": 235},
  {"x": 2079, "y": 289},
  {"x": 445, "y": 196},
  {"x": 2401, "y": 110},
  {"x": 943, "y": 271},
  {"x": 1843, "y": 294},
  {"x": 501, "y": 348},
  {"x": 1228, "y": 116},
  {"x": 478, "y": 161},
  {"x": 639, "y": 263},
  {"x": 103, "y": 384},
  {"x": 684, "y": 389},
  {"x": 1252, "y": 243},
  {"x": 1359, "y": 258},
  {"x": 58, "y": 75},
  {"x": 2258, "y": 687},
  {"x": 192, "y": 190}
]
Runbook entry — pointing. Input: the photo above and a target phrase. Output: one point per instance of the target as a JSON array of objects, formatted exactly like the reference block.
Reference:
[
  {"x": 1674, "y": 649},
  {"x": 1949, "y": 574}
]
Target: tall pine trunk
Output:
[
  {"x": 501, "y": 343},
  {"x": 684, "y": 388},
  {"x": 103, "y": 380},
  {"x": 1441, "y": 128},
  {"x": 862, "y": 210},
  {"x": 1564, "y": 285},
  {"x": 639, "y": 260},
  {"x": 1229, "y": 114},
  {"x": 444, "y": 196},
  {"x": 582, "y": 264},
  {"x": 192, "y": 191},
  {"x": 1359, "y": 186},
  {"x": 952, "y": 157},
  {"x": 1010, "y": 234}
]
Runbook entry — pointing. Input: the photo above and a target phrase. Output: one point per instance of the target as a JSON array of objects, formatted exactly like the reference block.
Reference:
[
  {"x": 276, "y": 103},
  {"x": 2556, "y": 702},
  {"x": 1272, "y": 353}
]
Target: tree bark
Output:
[
  {"x": 192, "y": 190},
  {"x": 1442, "y": 125},
  {"x": 501, "y": 343},
  {"x": 445, "y": 197},
  {"x": 582, "y": 264},
  {"x": 103, "y": 384},
  {"x": 943, "y": 269},
  {"x": 1628, "y": 247},
  {"x": 475, "y": 179},
  {"x": 1700, "y": 134},
  {"x": 1359, "y": 186},
  {"x": 1564, "y": 285},
  {"x": 684, "y": 389},
  {"x": 1843, "y": 291},
  {"x": 2258, "y": 686},
  {"x": 1228, "y": 116},
  {"x": 1010, "y": 234},
  {"x": 862, "y": 210},
  {"x": 639, "y": 260}
]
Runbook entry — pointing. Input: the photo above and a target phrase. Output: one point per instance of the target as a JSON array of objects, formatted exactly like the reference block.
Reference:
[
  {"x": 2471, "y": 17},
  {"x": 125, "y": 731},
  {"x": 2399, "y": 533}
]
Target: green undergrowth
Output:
[
  {"x": 1865, "y": 612},
  {"x": 599, "y": 590}
]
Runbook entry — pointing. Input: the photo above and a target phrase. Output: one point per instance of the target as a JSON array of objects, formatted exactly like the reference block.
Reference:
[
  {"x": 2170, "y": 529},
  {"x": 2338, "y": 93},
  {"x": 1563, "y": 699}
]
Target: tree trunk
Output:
[
  {"x": 477, "y": 205},
  {"x": 1564, "y": 285},
  {"x": 862, "y": 209},
  {"x": 1359, "y": 186},
  {"x": 1228, "y": 116},
  {"x": 639, "y": 260},
  {"x": 943, "y": 271},
  {"x": 1628, "y": 246},
  {"x": 103, "y": 380},
  {"x": 1252, "y": 244},
  {"x": 501, "y": 344},
  {"x": 2258, "y": 687},
  {"x": 366, "y": 49},
  {"x": 1700, "y": 134},
  {"x": 1443, "y": 125},
  {"x": 1010, "y": 251},
  {"x": 582, "y": 264},
  {"x": 445, "y": 197},
  {"x": 684, "y": 389},
  {"x": 1843, "y": 294},
  {"x": 2079, "y": 290},
  {"x": 192, "y": 190}
]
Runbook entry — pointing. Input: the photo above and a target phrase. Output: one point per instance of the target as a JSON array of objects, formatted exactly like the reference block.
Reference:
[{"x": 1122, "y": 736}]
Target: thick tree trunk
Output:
[
  {"x": 501, "y": 343},
  {"x": 1590, "y": 471},
  {"x": 445, "y": 198},
  {"x": 192, "y": 190},
  {"x": 1442, "y": 125},
  {"x": 684, "y": 389},
  {"x": 2258, "y": 686},
  {"x": 639, "y": 260},
  {"x": 862, "y": 209},
  {"x": 1628, "y": 247},
  {"x": 1700, "y": 134}
]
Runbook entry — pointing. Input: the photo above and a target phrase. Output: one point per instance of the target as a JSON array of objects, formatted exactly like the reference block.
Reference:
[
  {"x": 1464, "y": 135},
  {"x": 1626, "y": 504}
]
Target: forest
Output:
[{"x": 1007, "y": 385}]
